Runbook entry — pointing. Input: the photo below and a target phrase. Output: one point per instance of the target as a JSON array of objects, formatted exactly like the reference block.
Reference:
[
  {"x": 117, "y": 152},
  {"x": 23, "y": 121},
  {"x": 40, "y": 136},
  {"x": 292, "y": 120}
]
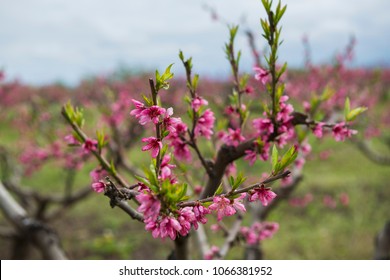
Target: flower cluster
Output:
[
  {"x": 227, "y": 207},
  {"x": 340, "y": 131},
  {"x": 259, "y": 231},
  {"x": 170, "y": 223}
]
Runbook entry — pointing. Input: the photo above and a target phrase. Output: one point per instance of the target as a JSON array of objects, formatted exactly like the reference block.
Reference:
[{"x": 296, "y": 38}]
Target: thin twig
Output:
[{"x": 238, "y": 191}]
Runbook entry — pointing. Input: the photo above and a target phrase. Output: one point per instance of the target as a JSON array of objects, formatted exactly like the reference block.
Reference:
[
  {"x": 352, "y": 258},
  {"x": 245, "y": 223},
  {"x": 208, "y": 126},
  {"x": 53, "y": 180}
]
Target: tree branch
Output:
[
  {"x": 371, "y": 154},
  {"x": 40, "y": 234}
]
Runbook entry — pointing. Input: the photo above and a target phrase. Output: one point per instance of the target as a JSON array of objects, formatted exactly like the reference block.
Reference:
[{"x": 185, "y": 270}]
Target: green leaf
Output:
[
  {"x": 195, "y": 81},
  {"x": 101, "y": 138},
  {"x": 181, "y": 55},
  {"x": 183, "y": 191},
  {"x": 184, "y": 198},
  {"x": 231, "y": 180},
  {"x": 112, "y": 167},
  {"x": 327, "y": 93},
  {"x": 142, "y": 180},
  {"x": 162, "y": 80},
  {"x": 219, "y": 190},
  {"x": 288, "y": 157},
  {"x": 165, "y": 133},
  {"x": 238, "y": 182},
  {"x": 274, "y": 158},
  {"x": 69, "y": 110},
  {"x": 150, "y": 174},
  {"x": 355, "y": 112},
  {"x": 149, "y": 102},
  {"x": 347, "y": 108}
]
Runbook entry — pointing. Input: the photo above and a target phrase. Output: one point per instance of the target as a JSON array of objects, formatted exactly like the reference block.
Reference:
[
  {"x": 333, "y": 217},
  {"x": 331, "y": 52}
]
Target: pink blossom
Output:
[
  {"x": 225, "y": 207},
  {"x": 139, "y": 107},
  {"x": 154, "y": 227},
  {"x": 265, "y": 195},
  {"x": 287, "y": 133},
  {"x": 324, "y": 155},
  {"x": 286, "y": 181},
  {"x": 200, "y": 212},
  {"x": 55, "y": 149},
  {"x": 222, "y": 206},
  {"x": 231, "y": 169},
  {"x": 318, "y": 130},
  {"x": 230, "y": 110},
  {"x": 71, "y": 140},
  {"x": 166, "y": 167},
  {"x": 284, "y": 114},
  {"x": 181, "y": 150},
  {"x": 299, "y": 163},
  {"x": 142, "y": 187},
  {"x": 151, "y": 114},
  {"x": 306, "y": 106},
  {"x": 301, "y": 201},
  {"x": 205, "y": 124},
  {"x": 169, "y": 122},
  {"x": 261, "y": 74},
  {"x": 89, "y": 145},
  {"x": 251, "y": 237},
  {"x": 186, "y": 218},
  {"x": 198, "y": 102},
  {"x": 268, "y": 229},
  {"x": 97, "y": 174},
  {"x": 259, "y": 231},
  {"x": 215, "y": 227},
  {"x": 234, "y": 137},
  {"x": 305, "y": 148},
  {"x": 180, "y": 128},
  {"x": 340, "y": 131},
  {"x": 329, "y": 201},
  {"x": 249, "y": 90},
  {"x": 149, "y": 205},
  {"x": 264, "y": 152},
  {"x": 344, "y": 199},
  {"x": 169, "y": 226},
  {"x": 263, "y": 126},
  {"x": 198, "y": 189},
  {"x": 251, "y": 156},
  {"x": 98, "y": 186},
  {"x": 153, "y": 144},
  {"x": 214, "y": 252}
]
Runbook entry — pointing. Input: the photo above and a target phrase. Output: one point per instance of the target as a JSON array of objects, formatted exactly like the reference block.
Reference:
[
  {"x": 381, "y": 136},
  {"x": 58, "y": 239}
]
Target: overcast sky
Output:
[{"x": 42, "y": 41}]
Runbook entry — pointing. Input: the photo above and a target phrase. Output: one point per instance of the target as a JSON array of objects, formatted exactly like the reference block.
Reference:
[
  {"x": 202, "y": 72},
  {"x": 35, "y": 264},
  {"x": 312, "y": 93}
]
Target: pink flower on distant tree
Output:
[{"x": 71, "y": 140}]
